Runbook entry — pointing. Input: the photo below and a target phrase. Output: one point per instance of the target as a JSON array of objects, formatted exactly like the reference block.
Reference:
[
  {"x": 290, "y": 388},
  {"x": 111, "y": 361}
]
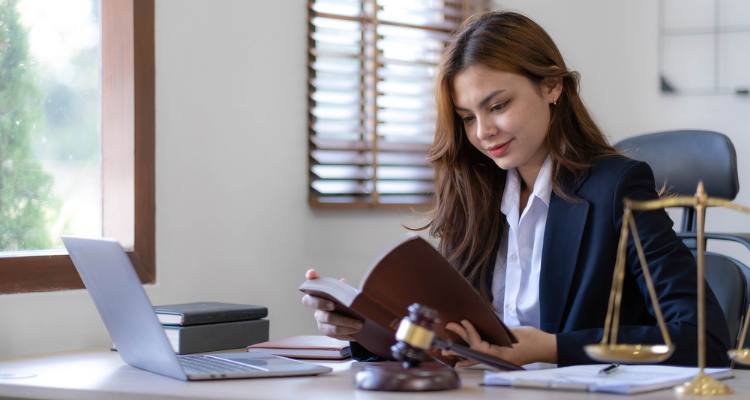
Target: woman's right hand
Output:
[{"x": 330, "y": 323}]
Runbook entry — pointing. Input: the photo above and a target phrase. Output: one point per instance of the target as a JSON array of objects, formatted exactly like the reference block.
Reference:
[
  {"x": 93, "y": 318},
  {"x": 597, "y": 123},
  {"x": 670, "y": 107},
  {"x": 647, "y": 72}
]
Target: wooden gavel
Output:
[{"x": 416, "y": 335}]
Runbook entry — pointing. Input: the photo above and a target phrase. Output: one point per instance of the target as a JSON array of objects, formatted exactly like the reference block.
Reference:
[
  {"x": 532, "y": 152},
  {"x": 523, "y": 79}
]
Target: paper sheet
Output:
[{"x": 627, "y": 379}]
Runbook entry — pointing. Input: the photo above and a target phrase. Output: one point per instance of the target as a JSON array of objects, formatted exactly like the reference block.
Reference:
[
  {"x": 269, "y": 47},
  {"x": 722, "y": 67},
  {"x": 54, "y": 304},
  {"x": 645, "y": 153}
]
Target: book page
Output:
[{"x": 331, "y": 289}]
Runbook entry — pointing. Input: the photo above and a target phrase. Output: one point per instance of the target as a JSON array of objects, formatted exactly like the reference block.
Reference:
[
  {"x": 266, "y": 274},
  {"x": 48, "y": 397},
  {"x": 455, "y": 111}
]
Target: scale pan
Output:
[
  {"x": 741, "y": 356},
  {"x": 629, "y": 353}
]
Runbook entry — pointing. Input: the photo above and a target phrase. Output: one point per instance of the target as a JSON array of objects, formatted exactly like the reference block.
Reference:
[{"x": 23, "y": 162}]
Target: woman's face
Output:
[{"x": 506, "y": 116}]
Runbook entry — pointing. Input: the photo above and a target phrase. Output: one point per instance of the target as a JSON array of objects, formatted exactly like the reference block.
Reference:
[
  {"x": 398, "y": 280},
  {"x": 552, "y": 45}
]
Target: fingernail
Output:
[
  {"x": 329, "y": 306},
  {"x": 357, "y": 324}
]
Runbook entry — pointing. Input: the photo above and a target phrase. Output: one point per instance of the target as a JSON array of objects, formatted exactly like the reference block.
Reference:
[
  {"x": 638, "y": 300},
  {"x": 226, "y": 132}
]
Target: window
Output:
[
  {"x": 49, "y": 122},
  {"x": 127, "y": 154},
  {"x": 370, "y": 112}
]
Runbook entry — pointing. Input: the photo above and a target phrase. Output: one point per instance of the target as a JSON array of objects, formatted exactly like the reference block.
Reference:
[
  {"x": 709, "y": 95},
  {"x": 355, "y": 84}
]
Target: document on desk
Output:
[{"x": 629, "y": 379}]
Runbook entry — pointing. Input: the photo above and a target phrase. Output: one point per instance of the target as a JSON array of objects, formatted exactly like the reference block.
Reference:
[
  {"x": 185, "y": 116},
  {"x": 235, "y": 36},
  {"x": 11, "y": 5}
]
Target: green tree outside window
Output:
[{"x": 27, "y": 204}]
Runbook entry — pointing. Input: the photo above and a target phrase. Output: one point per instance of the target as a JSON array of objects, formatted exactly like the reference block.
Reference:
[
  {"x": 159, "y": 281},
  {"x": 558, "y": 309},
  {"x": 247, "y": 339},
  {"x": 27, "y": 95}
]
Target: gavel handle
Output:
[{"x": 483, "y": 357}]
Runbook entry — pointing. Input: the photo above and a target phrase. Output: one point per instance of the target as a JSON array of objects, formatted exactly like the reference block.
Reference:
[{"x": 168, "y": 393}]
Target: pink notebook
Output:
[{"x": 305, "y": 346}]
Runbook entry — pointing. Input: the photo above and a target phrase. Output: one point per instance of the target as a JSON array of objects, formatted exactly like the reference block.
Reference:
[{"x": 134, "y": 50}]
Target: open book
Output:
[{"x": 411, "y": 272}]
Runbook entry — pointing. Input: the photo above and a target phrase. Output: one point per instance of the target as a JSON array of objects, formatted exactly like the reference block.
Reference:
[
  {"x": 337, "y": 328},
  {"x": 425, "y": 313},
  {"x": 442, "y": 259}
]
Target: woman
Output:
[{"x": 529, "y": 207}]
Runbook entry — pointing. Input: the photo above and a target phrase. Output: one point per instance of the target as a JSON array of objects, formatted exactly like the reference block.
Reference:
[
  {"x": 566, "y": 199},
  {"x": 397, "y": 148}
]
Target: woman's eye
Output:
[
  {"x": 499, "y": 106},
  {"x": 467, "y": 119}
]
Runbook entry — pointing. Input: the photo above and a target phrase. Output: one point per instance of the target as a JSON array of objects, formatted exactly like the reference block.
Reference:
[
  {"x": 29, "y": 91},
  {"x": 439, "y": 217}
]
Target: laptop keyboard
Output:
[{"x": 199, "y": 365}]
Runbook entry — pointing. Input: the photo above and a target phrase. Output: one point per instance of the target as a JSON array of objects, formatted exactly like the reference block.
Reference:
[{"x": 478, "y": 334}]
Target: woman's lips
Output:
[{"x": 499, "y": 150}]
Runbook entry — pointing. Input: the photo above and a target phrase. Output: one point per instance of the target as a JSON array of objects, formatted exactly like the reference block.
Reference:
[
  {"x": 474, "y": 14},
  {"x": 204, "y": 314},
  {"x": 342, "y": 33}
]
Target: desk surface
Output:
[{"x": 100, "y": 373}]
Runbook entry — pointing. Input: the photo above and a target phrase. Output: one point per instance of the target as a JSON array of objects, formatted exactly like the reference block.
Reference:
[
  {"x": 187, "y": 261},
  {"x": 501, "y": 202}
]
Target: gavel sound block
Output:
[{"x": 416, "y": 335}]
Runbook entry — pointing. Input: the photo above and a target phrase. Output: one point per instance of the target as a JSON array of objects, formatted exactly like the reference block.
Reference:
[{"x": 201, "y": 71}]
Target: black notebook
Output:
[
  {"x": 208, "y": 313},
  {"x": 214, "y": 337}
]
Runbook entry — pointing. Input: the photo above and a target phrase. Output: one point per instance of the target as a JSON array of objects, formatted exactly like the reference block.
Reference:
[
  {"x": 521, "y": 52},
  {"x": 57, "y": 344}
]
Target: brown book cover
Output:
[
  {"x": 305, "y": 346},
  {"x": 411, "y": 272}
]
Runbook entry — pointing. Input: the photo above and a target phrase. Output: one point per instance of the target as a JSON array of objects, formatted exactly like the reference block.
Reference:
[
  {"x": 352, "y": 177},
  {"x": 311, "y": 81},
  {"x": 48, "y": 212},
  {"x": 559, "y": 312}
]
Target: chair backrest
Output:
[
  {"x": 725, "y": 277},
  {"x": 683, "y": 158}
]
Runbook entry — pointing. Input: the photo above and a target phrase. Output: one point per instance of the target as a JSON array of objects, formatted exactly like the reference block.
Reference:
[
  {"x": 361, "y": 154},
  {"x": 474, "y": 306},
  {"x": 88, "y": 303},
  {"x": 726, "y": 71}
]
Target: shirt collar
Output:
[
  {"x": 543, "y": 184},
  {"x": 542, "y": 187}
]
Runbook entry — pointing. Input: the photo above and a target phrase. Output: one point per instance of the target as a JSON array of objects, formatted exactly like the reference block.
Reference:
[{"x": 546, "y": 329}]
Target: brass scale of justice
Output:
[
  {"x": 416, "y": 337},
  {"x": 607, "y": 351}
]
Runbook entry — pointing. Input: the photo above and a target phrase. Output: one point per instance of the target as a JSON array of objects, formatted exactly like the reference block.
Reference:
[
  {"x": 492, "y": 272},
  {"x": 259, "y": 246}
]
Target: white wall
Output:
[{"x": 232, "y": 220}]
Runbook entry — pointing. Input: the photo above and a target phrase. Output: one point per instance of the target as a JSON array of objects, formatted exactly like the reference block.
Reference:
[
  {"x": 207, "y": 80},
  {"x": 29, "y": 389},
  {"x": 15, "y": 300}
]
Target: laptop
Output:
[{"x": 139, "y": 337}]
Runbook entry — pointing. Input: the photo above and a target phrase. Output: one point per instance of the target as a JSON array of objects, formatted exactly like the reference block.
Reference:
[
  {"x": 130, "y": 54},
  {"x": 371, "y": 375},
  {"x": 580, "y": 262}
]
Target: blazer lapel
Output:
[{"x": 563, "y": 232}]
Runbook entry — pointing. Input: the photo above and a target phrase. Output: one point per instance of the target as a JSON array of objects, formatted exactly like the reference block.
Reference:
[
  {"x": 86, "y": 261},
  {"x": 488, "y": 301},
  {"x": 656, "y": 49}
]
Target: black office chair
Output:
[{"x": 682, "y": 159}]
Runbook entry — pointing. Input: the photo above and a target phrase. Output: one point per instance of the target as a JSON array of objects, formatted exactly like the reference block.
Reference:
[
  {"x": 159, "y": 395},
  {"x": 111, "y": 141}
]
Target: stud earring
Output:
[{"x": 554, "y": 102}]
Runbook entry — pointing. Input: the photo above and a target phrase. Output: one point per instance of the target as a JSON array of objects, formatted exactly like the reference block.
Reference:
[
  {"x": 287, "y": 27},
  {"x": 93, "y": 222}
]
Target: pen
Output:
[{"x": 609, "y": 369}]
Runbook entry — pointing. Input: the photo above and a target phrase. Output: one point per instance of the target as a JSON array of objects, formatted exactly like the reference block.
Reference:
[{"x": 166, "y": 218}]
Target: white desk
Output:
[{"x": 101, "y": 374}]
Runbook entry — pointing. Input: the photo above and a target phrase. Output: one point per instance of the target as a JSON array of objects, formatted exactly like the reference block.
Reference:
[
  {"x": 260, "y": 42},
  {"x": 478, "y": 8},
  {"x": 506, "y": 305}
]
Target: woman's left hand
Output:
[{"x": 533, "y": 345}]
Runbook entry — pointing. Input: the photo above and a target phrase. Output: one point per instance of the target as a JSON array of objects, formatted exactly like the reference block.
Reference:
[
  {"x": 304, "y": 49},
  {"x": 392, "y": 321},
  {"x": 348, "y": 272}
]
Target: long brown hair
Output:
[{"x": 468, "y": 185}]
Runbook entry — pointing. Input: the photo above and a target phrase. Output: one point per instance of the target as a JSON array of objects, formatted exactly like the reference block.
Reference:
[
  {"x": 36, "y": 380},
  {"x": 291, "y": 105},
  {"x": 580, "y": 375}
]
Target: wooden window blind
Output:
[{"x": 370, "y": 94}]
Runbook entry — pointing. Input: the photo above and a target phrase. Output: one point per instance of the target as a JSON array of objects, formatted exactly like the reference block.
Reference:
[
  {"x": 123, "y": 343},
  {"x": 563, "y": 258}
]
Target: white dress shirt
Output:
[{"x": 515, "y": 282}]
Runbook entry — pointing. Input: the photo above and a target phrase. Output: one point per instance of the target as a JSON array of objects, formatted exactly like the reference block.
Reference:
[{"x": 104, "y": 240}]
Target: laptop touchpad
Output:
[{"x": 263, "y": 362}]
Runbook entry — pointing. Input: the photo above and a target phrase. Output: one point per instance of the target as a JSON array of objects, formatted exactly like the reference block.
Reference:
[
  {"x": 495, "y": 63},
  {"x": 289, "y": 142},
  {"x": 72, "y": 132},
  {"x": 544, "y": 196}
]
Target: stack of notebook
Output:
[{"x": 204, "y": 327}]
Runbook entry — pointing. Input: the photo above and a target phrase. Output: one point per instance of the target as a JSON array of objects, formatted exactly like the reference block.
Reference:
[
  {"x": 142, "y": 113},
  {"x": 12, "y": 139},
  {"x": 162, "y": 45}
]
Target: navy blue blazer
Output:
[
  {"x": 580, "y": 246},
  {"x": 578, "y": 260}
]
